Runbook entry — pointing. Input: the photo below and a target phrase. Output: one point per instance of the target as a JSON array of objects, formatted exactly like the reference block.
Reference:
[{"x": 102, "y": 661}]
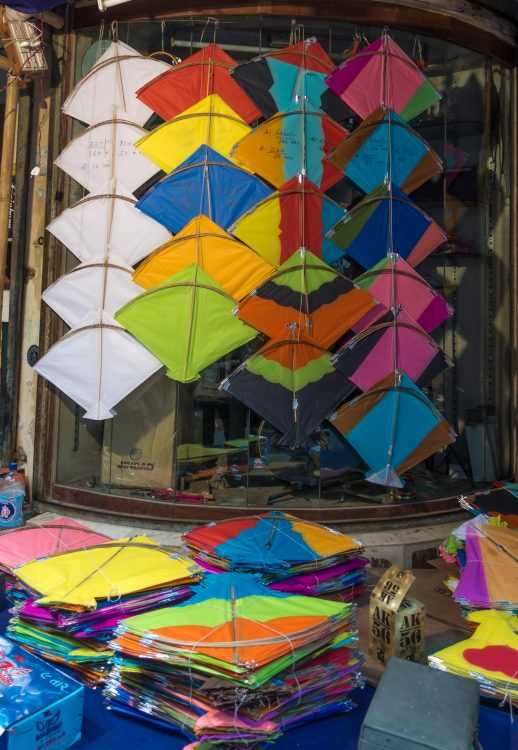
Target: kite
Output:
[
  {"x": 384, "y": 217},
  {"x": 107, "y": 571},
  {"x": 91, "y": 286},
  {"x": 187, "y": 322},
  {"x": 294, "y": 142},
  {"x": 235, "y": 267},
  {"x": 384, "y": 148},
  {"x": 393, "y": 282},
  {"x": 298, "y": 216},
  {"x": 382, "y": 75},
  {"x": 108, "y": 227},
  {"x": 238, "y": 624},
  {"x": 108, "y": 91},
  {"x": 489, "y": 579},
  {"x": 104, "y": 151},
  {"x": 292, "y": 384},
  {"x": 279, "y": 78},
  {"x": 490, "y": 655},
  {"x": 35, "y": 541},
  {"x": 306, "y": 297},
  {"x": 275, "y": 544},
  {"x": 209, "y": 122},
  {"x": 390, "y": 345},
  {"x": 393, "y": 427},
  {"x": 206, "y": 72},
  {"x": 205, "y": 183},
  {"x": 97, "y": 365}
]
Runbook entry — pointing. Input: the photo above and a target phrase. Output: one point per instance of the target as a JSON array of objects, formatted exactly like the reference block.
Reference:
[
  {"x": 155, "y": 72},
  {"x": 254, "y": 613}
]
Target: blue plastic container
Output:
[{"x": 12, "y": 498}]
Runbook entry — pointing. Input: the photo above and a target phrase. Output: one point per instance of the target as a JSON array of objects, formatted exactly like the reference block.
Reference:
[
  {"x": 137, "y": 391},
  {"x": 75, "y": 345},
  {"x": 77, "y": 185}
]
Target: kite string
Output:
[
  {"x": 393, "y": 260},
  {"x": 204, "y": 187},
  {"x": 508, "y": 696}
]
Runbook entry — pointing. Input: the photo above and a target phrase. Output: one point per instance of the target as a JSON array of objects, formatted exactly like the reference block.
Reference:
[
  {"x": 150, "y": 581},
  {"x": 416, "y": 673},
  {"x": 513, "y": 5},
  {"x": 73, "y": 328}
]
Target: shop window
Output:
[{"x": 198, "y": 440}]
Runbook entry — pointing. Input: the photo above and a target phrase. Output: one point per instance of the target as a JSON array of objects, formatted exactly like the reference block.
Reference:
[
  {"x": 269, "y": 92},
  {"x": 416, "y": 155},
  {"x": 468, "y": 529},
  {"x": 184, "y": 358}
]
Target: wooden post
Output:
[{"x": 6, "y": 171}]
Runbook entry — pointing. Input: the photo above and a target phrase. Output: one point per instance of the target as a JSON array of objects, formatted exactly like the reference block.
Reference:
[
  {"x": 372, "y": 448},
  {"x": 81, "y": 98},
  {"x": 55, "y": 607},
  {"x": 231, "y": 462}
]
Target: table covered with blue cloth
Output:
[{"x": 108, "y": 730}]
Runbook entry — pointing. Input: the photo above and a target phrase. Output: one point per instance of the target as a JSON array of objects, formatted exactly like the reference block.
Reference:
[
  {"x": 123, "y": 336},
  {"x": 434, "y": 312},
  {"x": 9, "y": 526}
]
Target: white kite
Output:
[
  {"x": 109, "y": 90},
  {"x": 105, "y": 151},
  {"x": 108, "y": 226},
  {"x": 97, "y": 365},
  {"x": 91, "y": 287}
]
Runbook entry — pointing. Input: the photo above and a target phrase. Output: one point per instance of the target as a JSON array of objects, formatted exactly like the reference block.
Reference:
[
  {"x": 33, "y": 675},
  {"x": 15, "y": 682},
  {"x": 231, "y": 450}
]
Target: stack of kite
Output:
[
  {"x": 35, "y": 541},
  {"x": 291, "y": 555},
  {"x": 73, "y": 601},
  {"x": 97, "y": 363},
  {"x": 489, "y": 579},
  {"x": 236, "y": 664},
  {"x": 485, "y": 550},
  {"x": 490, "y": 655}
]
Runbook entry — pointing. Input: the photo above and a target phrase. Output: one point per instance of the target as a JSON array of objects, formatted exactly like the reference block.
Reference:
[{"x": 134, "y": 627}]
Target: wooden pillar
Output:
[
  {"x": 514, "y": 290},
  {"x": 6, "y": 171}
]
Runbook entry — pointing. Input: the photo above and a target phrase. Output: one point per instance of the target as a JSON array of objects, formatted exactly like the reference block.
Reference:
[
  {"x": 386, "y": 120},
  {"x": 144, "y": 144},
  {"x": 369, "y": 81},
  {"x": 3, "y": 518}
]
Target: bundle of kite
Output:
[
  {"x": 237, "y": 663},
  {"x": 35, "y": 541},
  {"x": 74, "y": 601},
  {"x": 292, "y": 555},
  {"x": 489, "y": 579},
  {"x": 490, "y": 655}
]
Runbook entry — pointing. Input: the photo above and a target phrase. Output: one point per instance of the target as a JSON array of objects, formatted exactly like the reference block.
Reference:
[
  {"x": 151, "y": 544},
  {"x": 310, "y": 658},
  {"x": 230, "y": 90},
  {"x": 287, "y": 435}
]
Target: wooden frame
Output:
[{"x": 460, "y": 22}]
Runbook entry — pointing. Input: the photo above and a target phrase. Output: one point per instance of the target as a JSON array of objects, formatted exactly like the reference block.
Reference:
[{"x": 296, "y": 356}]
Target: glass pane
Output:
[{"x": 196, "y": 438}]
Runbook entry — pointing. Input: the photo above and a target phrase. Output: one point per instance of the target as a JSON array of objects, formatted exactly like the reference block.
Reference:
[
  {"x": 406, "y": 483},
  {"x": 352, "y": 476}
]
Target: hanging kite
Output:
[
  {"x": 388, "y": 346},
  {"x": 292, "y": 384},
  {"x": 363, "y": 233},
  {"x": 235, "y": 267},
  {"x": 108, "y": 90},
  {"x": 187, "y": 322},
  {"x": 382, "y": 75},
  {"x": 294, "y": 142},
  {"x": 306, "y": 297},
  {"x": 393, "y": 280},
  {"x": 209, "y": 122},
  {"x": 298, "y": 215},
  {"x": 206, "y": 72},
  {"x": 108, "y": 226},
  {"x": 105, "y": 151},
  {"x": 205, "y": 183},
  {"x": 97, "y": 365},
  {"x": 393, "y": 427},
  {"x": 277, "y": 79},
  {"x": 382, "y": 147},
  {"x": 91, "y": 286}
]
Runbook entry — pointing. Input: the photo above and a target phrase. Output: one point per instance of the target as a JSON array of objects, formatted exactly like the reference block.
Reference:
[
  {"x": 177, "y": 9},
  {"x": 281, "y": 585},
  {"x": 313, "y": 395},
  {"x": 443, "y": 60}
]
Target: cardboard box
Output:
[
  {"x": 138, "y": 442},
  {"x": 41, "y": 708}
]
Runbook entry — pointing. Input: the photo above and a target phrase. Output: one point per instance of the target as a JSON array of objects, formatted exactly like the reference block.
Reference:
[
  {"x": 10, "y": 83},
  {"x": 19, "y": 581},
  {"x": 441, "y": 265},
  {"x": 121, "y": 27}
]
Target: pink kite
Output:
[{"x": 32, "y": 542}]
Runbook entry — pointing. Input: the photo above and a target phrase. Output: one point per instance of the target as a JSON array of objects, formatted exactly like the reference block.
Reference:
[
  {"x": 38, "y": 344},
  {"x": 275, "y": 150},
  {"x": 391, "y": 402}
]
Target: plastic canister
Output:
[{"x": 12, "y": 497}]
